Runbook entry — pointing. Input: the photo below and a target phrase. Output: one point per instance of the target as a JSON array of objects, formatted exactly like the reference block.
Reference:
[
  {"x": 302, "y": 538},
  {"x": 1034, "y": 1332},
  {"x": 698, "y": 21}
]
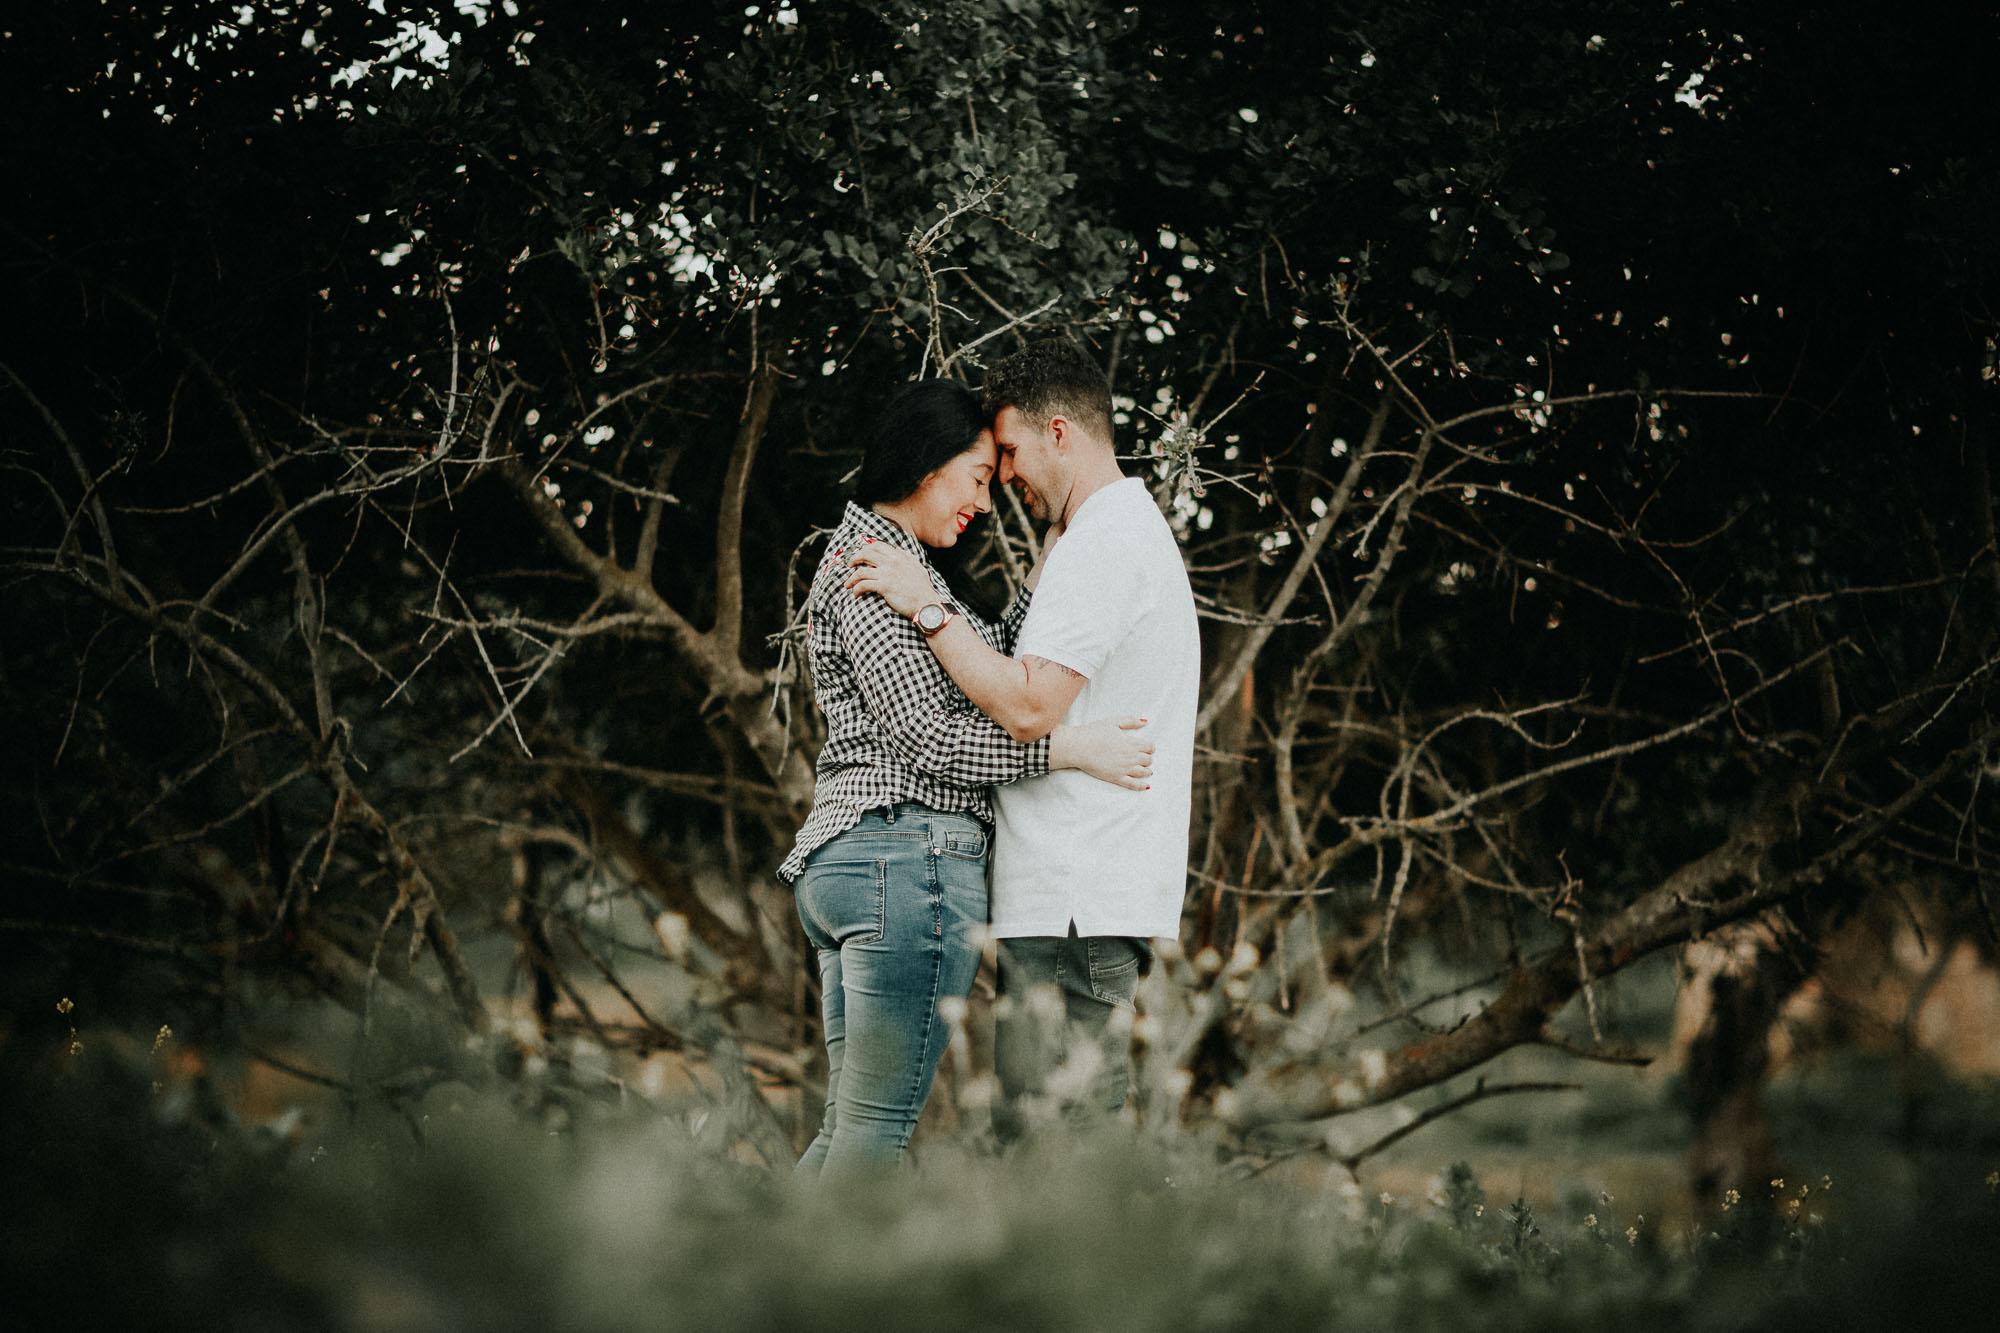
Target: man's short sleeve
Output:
[{"x": 1090, "y": 595}]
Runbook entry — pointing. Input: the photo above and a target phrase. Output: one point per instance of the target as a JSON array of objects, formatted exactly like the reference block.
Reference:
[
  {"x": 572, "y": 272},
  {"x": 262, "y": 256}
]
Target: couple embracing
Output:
[{"x": 1051, "y": 750}]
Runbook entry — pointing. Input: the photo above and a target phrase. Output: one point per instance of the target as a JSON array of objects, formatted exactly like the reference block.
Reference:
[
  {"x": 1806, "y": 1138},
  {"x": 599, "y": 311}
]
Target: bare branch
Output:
[
  {"x": 1224, "y": 686},
  {"x": 762, "y": 392},
  {"x": 92, "y": 500},
  {"x": 553, "y": 654},
  {"x": 1481, "y": 1091}
]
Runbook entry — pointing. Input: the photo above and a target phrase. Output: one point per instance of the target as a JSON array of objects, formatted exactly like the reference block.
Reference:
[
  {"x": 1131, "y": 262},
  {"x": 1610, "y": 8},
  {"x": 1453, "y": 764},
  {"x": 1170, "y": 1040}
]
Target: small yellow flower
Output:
[
  {"x": 1993, "y": 1180},
  {"x": 1826, "y": 1182},
  {"x": 165, "y": 1035},
  {"x": 1631, "y": 1235},
  {"x": 1778, "y": 1184},
  {"x": 1730, "y": 1199},
  {"x": 1590, "y": 1220},
  {"x": 64, "y": 1005}
]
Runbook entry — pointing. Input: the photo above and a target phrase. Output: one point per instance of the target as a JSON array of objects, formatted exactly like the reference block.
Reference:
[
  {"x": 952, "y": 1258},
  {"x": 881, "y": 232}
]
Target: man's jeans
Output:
[
  {"x": 896, "y": 907},
  {"x": 1060, "y": 1043}
]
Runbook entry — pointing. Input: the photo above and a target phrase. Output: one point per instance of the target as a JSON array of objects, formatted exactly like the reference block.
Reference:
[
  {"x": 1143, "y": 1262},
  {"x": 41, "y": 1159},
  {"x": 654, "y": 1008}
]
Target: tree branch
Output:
[
  {"x": 1224, "y": 686},
  {"x": 1693, "y": 899},
  {"x": 728, "y": 632}
]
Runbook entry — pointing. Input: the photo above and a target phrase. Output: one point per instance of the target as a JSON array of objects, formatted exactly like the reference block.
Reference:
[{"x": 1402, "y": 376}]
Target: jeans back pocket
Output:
[
  {"x": 1114, "y": 963},
  {"x": 842, "y": 902}
]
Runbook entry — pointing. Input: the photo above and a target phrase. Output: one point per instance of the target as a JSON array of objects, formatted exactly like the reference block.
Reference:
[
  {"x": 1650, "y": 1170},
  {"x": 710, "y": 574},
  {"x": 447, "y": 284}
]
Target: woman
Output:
[{"x": 890, "y": 867}]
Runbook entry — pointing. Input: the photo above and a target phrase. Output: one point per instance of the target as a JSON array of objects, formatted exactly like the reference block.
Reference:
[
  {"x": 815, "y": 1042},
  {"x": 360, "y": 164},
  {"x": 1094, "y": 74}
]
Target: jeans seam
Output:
[
  {"x": 931, "y": 1010},
  {"x": 881, "y": 900}
]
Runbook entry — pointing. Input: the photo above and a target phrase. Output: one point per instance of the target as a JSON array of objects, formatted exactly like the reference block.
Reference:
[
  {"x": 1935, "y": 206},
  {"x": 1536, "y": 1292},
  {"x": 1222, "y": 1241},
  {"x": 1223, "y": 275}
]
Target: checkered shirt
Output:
[{"x": 897, "y": 728}]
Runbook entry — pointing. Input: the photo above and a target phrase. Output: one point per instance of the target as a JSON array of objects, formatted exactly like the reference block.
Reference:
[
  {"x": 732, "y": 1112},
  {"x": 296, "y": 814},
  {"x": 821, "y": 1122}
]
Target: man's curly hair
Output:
[{"x": 1051, "y": 377}]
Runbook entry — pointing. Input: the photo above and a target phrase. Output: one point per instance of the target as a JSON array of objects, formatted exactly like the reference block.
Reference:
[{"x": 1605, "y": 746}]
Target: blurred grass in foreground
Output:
[{"x": 473, "y": 1211}]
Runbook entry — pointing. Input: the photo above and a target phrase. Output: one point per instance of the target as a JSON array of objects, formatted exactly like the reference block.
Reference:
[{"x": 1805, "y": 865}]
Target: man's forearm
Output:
[{"x": 1027, "y": 703}]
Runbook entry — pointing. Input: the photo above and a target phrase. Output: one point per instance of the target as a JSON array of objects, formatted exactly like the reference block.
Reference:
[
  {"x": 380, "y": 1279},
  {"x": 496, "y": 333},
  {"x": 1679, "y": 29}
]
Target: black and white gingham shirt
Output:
[{"x": 897, "y": 728}]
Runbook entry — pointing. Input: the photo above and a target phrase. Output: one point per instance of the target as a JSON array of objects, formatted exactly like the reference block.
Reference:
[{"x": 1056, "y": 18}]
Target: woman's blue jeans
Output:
[{"x": 896, "y": 907}]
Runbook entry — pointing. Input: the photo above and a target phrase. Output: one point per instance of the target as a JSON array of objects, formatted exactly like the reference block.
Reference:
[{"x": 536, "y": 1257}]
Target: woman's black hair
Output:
[{"x": 921, "y": 428}]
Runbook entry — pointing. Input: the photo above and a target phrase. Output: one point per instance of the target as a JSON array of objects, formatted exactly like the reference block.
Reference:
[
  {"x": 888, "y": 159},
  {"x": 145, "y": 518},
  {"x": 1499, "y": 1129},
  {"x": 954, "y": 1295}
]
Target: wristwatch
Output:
[{"x": 932, "y": 618}]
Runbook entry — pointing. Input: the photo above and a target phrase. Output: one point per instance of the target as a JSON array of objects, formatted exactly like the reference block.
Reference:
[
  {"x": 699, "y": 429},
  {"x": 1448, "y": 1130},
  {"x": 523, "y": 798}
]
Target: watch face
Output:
[{"x": 930, "y": 617}]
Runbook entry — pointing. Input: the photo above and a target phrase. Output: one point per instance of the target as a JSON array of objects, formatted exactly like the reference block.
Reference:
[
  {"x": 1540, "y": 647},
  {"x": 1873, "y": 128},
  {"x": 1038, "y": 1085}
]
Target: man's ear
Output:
[{"x": 1059, "y": 433}]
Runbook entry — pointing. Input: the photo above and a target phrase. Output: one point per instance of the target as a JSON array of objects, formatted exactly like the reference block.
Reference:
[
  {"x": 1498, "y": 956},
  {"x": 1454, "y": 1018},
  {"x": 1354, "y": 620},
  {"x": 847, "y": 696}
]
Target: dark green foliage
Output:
[
  {"x": 128, "y": 1211},
  {"x": 1464, "y": 1198}
]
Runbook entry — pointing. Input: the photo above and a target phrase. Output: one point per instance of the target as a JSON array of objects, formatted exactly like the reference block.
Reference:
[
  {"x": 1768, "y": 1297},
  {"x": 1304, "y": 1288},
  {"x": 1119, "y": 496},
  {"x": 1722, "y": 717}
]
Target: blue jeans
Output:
[
  {"x": 896, "y": 907},
  {"x": 1054, "y": 1041}
]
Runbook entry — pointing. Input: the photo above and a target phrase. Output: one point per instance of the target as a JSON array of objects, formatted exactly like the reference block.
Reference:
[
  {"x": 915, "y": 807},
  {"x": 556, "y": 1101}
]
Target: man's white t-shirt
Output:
[{"x": 1114, "y": 606}]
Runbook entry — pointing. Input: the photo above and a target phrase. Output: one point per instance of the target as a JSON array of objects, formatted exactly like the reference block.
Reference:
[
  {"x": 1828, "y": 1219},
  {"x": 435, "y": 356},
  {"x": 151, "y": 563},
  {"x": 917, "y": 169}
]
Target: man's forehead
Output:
[{"x": 1011, "y": 421}]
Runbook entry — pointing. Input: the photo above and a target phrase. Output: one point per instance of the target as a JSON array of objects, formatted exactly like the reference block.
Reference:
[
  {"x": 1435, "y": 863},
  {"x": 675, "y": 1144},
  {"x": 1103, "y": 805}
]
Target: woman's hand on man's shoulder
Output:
[{"x": 891, "y": 573}]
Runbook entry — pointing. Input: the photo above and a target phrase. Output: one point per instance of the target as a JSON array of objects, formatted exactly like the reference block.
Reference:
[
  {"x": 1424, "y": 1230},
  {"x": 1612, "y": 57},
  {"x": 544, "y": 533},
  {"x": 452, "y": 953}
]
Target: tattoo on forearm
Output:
[{"x": 1029, "y": 663}]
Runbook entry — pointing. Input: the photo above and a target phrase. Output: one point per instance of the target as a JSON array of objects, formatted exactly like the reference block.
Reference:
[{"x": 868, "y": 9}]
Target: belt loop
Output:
[{"x": 889, "y": 815}]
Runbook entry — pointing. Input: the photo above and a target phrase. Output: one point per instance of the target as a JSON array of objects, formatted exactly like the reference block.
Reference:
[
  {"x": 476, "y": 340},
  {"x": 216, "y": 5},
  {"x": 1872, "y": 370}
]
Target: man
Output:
[{"x": 1084, "y": 874}]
